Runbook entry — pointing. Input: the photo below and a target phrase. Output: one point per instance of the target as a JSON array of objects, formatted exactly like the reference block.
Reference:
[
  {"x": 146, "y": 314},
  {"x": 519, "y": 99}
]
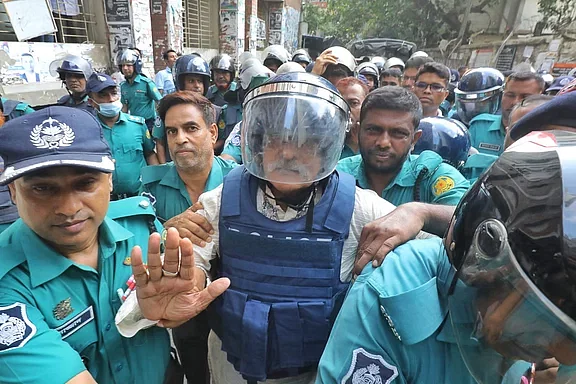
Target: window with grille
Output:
[
  {"x": 197, "y": 26},
  {"x": 73, "y": 21}
]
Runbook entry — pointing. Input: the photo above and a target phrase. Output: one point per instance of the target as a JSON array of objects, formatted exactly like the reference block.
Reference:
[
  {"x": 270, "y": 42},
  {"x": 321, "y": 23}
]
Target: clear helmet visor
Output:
[
  {"x": 499, "y": 316},
  {"x": 71, "y": 63},
  {"x": 292, "y": 140},
  {"x": 471, "y": 105}
]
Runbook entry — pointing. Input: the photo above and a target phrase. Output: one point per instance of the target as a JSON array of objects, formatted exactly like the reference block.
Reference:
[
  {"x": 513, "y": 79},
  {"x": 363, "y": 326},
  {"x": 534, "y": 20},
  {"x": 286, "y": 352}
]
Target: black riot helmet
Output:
[
  {"x": 194, "y": 65},
  {"x": 479, "y": 91},
  {"x": 512, "y": 245}
]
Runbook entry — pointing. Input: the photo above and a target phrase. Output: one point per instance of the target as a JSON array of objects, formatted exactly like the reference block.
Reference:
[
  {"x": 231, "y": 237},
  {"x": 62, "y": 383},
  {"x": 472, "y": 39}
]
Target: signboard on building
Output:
[
  {"x": 319, "y": 3},
  {"x": 506, "y": 58},
  {"x": 562, "y": 69}
]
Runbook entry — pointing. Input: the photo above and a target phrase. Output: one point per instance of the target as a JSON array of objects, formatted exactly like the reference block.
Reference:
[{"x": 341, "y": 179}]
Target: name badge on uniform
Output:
[
  {"x": 76, "y": 322},
  {"x": 490, "y": 147}
]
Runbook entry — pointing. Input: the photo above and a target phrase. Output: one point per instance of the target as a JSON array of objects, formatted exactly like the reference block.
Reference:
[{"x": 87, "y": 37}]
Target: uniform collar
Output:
[
  {"x": 168, "y": 69},
  {"x": 137, "y": 78},
  {"x": 404, "y": 178},
  {"x": 123, "y": 118},
  {"x": 496, "y": 125},
  {"x": 46, "y": 264},
  {"x": 172, "y": 179}
]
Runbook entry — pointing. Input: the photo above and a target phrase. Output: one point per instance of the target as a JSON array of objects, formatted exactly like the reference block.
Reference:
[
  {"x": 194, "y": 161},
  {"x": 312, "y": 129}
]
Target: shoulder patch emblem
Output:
[
  {"x": 236, "y": 140},
  {"x": 148, "y": 134},
  {"x": 150, "y": 197},
  {"x": 442, "y": 185},
  {"x": 15, "y": 327},
  {"x": 221, "y": 124},
  {"x": 368, "y": 368}
]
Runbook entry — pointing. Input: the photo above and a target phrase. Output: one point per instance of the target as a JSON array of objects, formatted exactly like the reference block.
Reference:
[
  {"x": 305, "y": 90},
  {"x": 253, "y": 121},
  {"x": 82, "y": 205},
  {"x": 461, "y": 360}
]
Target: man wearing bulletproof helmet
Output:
[
  {"x": 492, "y": 302},
  {"x": 139, "y": 93},
  {"x": 288, "y": 193},
  {"x": 74, "y": 71}
]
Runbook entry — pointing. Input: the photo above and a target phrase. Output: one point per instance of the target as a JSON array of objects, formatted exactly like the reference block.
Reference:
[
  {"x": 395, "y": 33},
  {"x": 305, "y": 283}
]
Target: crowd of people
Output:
[{"x": 291, "y": 221}]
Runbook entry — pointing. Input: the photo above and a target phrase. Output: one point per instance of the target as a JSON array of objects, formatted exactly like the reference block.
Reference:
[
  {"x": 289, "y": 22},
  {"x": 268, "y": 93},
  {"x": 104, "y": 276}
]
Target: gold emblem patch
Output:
[
  {"x": 221, "y": 124},
  {"x": 148, "y": 134},
  {"x": 442, "y": 185},
  {"x": 127, "y": 261},
  {"x": 62, "y": 309}
]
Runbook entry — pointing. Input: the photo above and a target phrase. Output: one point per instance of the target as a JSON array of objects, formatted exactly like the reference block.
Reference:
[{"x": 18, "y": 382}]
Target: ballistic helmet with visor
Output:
[
  {"x": 448, "y": 138},
  {"x": 53, "y": 137},
  {"x": 253, "y": 73},
  {"x": 293, "y": 129},
  {"x": 191, "y": 65},
  {"x": 71, "y": 64},
  {"x": 479, "y": 91},
  {"x": 511, "y": 243},
  {"x": 394, "y": 62},
  {"x": 344, "y": 58},
  {"x": 223, "y": 62},
  {"x": 131, "y": 57},
  {"x": 419, "y": 54},
  {"x": 369, "y": 69},
  {"x": 379, "y": 62},
  {"x": 301, "y": 56},
  {"x": 276, "y": 52},
  {"x": 559, "y": 83}
]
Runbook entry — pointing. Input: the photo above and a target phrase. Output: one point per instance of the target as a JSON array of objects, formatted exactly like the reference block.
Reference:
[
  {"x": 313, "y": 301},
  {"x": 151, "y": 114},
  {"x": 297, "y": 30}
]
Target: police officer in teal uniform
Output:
[
  {"x": 128, "y": 137},
  {"x": 139, "y": 93},
  {"x": 478, "y": 101},
  {"x": 74, "y": 72},
  {"x": 490, "y": 303},
  {"x": 388, "y": 121},
  {"x": 10, "y": 110},
  {"x": 175, "y": 186},
  {"x": 252, "y": 74},
  {"x": 64, "y": 260},
  {"x": 224, "y": 93}
]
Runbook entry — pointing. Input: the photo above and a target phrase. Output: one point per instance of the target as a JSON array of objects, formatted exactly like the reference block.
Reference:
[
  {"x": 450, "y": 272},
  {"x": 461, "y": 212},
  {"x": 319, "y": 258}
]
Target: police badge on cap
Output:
[{"x": 54, "y": 136}]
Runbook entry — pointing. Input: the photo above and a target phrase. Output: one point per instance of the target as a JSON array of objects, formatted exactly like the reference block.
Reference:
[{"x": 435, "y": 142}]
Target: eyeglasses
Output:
[
  {"x": 433, "y": 87},
  {"x": 383, "y": 83}
]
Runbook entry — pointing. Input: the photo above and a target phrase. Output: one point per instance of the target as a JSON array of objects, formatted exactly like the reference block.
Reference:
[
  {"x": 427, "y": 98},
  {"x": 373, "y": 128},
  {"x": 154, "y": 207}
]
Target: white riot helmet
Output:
[
  {"x": 344, "y": 57},
  {"x": 419, "y": 54},
  {"x": 394, "y": 62},
  {"x": 276, "y": 53},
  {"x": 290, "y": 66}
]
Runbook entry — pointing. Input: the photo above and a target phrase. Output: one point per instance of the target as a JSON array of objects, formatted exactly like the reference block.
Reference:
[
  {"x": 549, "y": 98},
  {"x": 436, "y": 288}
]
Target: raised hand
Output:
[{"x": 172, "y": 291}]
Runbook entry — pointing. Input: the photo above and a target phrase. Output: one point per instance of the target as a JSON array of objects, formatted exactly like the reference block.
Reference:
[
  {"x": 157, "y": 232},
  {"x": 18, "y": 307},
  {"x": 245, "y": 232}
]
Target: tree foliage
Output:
[
  {"x": 425, "y": 22},
  {"x": 558, "y": 14}
]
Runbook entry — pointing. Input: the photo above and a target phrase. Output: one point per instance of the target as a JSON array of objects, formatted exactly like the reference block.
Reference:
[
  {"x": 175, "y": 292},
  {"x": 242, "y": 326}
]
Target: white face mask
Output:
[{"x": 109, "y": 109}]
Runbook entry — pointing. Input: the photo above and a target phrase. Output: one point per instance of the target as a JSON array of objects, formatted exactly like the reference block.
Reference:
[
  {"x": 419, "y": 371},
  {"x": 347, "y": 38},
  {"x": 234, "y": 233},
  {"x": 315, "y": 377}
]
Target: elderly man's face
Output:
[{"x": 63, "y": 205}]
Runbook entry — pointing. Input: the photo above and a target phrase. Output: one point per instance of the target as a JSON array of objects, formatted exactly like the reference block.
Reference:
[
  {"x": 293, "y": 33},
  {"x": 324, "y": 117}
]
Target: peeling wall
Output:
[{"x": 143, "y": 34}]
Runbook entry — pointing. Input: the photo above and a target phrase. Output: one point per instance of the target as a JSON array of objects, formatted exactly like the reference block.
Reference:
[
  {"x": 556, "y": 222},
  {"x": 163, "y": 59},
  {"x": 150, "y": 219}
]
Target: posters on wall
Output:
[
  {"x": 117, "y": 11},
  {"x": 120, "y": 39},
  {"x": 27, "y": 63},
  {"x": 506, "y": 58},
  {"x": 228, "y": 30}
]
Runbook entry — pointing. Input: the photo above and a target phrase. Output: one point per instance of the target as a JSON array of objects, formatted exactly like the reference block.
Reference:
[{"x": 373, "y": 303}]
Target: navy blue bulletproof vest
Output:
[{"x": 285, "y": 289}]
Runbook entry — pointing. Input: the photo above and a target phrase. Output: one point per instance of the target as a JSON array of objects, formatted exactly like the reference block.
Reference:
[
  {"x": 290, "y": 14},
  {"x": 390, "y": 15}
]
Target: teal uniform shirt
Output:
[
  {"x": 140, "y": 96},
  {"x": 3, "y": 227},
  {"x": 476, "y": 164},
  {"x": 232, "y": 145},
  {"x": 66, "y": 310},
  {"x": 168, "y": 193},
  {"x": 347, "y": 152},
  {"x": 130, "y": 142},
  {"x": 440, "y": 183},
  {"x": 487, "y": 134},
  {"x": 217, "y": 97},
  {"x": 391, "y": 327}
]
